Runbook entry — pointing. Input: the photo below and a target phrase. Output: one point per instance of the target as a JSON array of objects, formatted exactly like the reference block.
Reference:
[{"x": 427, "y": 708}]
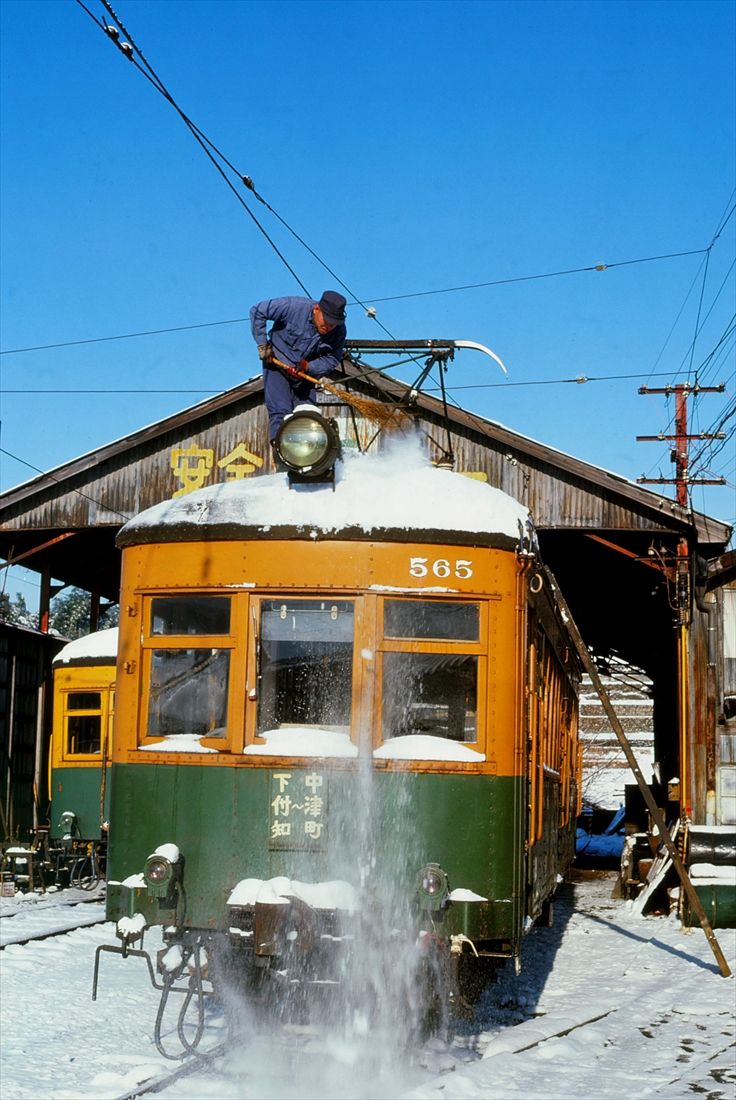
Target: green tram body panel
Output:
[
  {"x": 78, "y": 789},
  {"x": 221, "y": 819}
]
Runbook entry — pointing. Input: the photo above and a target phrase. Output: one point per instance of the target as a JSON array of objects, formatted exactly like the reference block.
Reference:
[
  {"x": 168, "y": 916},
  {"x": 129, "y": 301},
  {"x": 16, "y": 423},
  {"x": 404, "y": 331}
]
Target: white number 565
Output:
[{"x": 441, "y": 567}]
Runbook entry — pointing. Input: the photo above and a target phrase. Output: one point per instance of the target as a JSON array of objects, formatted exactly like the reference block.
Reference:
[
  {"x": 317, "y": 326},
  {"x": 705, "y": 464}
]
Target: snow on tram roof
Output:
[
  {"x": 100, "y": 648},
  {"x": 398, "y": 490}
]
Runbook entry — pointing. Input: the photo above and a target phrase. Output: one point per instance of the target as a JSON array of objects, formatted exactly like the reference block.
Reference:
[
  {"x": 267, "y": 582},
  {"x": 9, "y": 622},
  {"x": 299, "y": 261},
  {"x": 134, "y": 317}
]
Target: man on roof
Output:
[{"x": 305, "y": 336}]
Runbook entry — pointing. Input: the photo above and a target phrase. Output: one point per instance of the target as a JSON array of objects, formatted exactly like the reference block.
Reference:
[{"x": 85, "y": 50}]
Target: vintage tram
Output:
[
  {"x": 79, "y": 757},
  {"x": 345, "y": 729}
]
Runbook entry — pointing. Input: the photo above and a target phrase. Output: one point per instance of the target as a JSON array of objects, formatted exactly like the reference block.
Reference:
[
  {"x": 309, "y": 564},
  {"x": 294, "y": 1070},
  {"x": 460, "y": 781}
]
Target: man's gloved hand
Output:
[{"x": 265, "y": 352}]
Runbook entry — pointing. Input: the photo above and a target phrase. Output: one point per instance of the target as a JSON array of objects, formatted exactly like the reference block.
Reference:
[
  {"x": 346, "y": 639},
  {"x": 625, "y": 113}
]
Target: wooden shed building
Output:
[{"x": 644, "y": 577}]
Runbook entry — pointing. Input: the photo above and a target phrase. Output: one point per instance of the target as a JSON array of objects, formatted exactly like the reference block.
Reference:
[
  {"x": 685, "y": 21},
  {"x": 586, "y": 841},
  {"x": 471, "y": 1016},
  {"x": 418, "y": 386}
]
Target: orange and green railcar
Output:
[{"x": 346, "y": 717}]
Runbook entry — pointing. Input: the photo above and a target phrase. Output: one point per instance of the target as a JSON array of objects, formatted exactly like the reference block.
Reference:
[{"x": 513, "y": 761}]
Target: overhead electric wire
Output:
[
  {"x": 580, "y": 379},
  {"x": 58, "y": 481},
  {"x": 204, "y": 143},
  {"x": 210, "y": 148},
  {"x": 368, "y": 301},
  {"x": 720, "y": 226},
  {"x": 698, "y": 327},
  {"x": 714, "y": 446},
  {"x": 129, "y": 49}
]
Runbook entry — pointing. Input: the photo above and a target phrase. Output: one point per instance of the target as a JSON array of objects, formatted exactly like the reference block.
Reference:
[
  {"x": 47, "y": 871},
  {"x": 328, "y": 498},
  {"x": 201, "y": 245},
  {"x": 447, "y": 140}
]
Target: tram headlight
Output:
[
  {"x": 434, "y": 886},
  {"x": 157, "y": 871},
  {"x": 307, "y": 443},
  {"x": 160, "y": 875}
]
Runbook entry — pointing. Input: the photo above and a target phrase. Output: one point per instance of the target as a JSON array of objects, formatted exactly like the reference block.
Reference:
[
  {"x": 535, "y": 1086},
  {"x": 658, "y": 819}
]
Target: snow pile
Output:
[
  {"x": 313, "y": 741},
  {"x": 422, "y": 746},
  {"x": 167, "y": 851},
  {"x": 280, "y": 890},
  {"x": 397, "y": 489},
  {"x": 712, "y": 874},
  {"x": 179, "y": 742},
  {"x": 132, "y": 927},
  {"x": 102, "y": 646},
  {"x": 303, "y": 741},
  {"x": 461, "y": 894}
]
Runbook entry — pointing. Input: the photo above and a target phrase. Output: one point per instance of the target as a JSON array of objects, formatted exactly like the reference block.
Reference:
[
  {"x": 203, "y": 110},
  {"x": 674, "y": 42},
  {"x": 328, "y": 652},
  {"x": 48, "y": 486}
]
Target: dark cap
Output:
[{"x": 333, "y": 305}]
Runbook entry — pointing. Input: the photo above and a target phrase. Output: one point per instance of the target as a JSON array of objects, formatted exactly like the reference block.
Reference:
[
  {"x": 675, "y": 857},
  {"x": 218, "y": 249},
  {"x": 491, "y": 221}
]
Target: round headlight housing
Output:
[
  {"x": 433, "y": 886},
  {"x": 157, "y": 870},
  {"x": 307, "y": 443}
]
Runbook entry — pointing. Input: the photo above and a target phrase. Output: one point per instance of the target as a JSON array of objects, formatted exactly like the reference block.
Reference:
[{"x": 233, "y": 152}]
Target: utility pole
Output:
[
  {"x": 679, "y": 453},
  {"x": 681, "y": 574}
]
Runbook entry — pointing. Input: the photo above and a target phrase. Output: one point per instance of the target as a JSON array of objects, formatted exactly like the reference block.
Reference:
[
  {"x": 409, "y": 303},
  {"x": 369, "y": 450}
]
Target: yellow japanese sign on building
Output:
[{"x": 193, "y": 466}]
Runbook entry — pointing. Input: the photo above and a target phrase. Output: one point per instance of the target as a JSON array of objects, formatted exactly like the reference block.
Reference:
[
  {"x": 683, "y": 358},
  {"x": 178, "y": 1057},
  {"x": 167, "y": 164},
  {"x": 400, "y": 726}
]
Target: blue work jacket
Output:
[{"x": 293, "y": 335}]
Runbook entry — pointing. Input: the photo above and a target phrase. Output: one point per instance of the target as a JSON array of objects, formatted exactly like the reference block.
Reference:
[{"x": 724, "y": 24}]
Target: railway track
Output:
[
  {"x": 631, "y": 1021},
  {"x": 187, "y": 1068},
  {"x": 65, "y": 919}
]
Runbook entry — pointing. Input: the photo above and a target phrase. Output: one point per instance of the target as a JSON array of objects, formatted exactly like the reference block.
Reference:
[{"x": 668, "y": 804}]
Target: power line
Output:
[
  {"x": 123, "y": 336},
  {"x": 720, "y": 226},
  {"x": 368, "y": 301},
  {"x": 79, "y": 492},
  {"x": 578, "y": 380},
  {"x": 212, "y": 389},
  {"x": 129, "y": 49}
]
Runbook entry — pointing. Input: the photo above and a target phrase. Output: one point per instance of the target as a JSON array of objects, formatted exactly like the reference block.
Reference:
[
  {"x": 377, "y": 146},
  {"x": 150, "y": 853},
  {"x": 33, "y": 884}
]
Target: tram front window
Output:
[
  {"x": 434, "y": 694},
  {"x": 306, "y": 664},
  {"x": 188, "y": 692},
  {"x": 83, "y": 722}
]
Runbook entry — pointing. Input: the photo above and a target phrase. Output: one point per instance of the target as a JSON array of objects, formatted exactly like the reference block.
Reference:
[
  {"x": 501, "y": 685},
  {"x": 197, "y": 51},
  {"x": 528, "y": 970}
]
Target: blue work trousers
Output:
[{"x": 282, "y": 394}]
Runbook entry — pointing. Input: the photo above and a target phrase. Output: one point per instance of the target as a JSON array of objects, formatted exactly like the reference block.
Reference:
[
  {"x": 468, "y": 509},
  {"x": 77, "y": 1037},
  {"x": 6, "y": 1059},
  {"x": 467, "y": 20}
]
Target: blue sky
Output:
[{"x": 415, "y": 147}]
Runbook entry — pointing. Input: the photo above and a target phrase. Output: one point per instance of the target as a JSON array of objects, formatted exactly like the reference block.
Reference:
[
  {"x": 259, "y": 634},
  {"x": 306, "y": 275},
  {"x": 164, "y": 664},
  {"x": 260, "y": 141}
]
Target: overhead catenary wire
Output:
[
  {"x": 720, "y": 226},
  {"x": 578, "y": 380},
  {"x": 46, "y": 473},
  {"x": 214, "y": 153},
  {"x": 130, "y": 49},
  {"x": 368, "y": 301},
  {"x": 205, "y": 144}
]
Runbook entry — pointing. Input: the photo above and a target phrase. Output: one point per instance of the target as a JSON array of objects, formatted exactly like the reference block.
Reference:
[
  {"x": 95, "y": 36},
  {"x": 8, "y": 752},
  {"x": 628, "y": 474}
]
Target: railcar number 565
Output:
[{"x": 441, "y": 567}]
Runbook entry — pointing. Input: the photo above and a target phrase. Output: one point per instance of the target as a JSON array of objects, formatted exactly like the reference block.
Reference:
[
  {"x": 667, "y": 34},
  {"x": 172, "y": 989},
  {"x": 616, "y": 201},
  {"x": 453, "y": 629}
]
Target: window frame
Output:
[
  {"x": 479, "y": 649},
  {"x": 234, "y": 643},
  {"x": 106, "y": 692},
  {"x": 253, "y": 674}
]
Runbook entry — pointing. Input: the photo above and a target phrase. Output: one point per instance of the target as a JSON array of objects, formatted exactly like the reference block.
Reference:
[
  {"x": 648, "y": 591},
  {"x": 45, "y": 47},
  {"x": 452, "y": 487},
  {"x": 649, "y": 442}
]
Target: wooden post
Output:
[
  {"x": 94, "y": 609},
  {"x": 654, "y": 810},
  {"x": 44, "y": 600}
]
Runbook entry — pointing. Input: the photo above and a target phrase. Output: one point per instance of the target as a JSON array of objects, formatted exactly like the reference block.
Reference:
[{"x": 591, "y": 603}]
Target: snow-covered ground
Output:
[{"x": 609, "y": 1004}]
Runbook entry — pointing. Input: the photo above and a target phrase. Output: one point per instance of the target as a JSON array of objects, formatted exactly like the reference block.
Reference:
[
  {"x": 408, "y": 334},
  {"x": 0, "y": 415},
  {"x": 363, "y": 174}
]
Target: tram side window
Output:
[
  {"x": 83, "y": 722},
  {"x": 306, "y": 664},
  {"x": 430, "y": 693},
  {"x": 188, "y": 692}
]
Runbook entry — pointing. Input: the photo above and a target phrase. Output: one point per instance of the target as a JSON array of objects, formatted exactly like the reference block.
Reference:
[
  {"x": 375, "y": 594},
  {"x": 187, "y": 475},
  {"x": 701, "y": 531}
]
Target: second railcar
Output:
[{"x": 79, "y": 756}]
